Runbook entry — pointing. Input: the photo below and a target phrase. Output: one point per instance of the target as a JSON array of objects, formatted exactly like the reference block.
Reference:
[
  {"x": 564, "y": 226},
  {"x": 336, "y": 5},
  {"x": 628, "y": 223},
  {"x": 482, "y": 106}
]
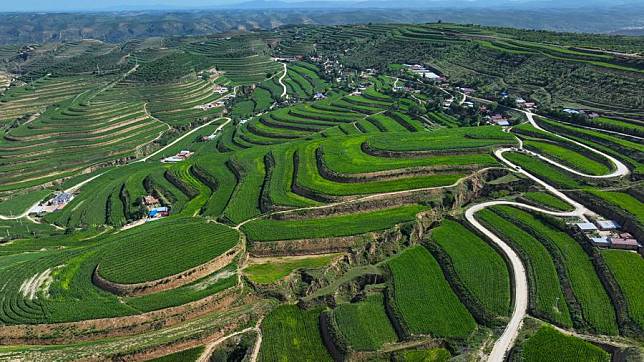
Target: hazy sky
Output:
[{"x": 89, "y": 5}]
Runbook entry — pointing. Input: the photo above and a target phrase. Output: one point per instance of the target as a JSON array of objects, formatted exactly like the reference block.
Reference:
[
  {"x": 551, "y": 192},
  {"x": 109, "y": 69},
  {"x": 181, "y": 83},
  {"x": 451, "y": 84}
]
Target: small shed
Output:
[
  {"x": 62, "y": 198},
  {"x": 607, "y": 225},
  {"x": 625, "y": 244},
  {"x": 586, "y": 226},
  {"x": 600, "y": 241}
]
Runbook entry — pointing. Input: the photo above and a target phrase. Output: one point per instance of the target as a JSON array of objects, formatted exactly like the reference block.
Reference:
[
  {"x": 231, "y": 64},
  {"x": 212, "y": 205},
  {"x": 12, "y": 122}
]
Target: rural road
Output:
[
  {"x": 205, "y": 355},
  {"x": 620, "y": 168},
  {"x": 184, "y": 136},
  {"x": 509, "y": 335},
  {"x": 281, "y": 81}
]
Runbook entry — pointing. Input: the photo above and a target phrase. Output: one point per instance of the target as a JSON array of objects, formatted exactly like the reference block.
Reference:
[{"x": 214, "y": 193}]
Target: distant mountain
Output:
[
  {"x": 18, "y": 28},
  {"x": 172, "y": 5},
  {"x": 435, "y": 4}
]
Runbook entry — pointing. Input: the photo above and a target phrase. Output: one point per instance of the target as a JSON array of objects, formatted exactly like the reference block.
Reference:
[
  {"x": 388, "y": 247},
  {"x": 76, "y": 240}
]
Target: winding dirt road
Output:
[
  {"x": 620, "y": 168},
  {"x": 281, "y": 81},
  {"x": 509, "y": 335},
  {"x": 228, "y": 120}
]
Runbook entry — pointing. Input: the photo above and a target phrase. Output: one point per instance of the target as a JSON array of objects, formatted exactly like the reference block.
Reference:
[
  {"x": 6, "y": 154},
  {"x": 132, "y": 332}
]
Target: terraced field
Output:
[
  {"x": 365, "y": 324},
  {"x": 422, "y": 299},
  {"x": 291, "y": 334},
  {"x": 187, "y": 242},
  {"x": 306, "y": 226},
  {"x": 546, "y": 295},
  {"x": 625, "y": 267},
  {"x": 488, "y": 280},
  {"x": 547, "y": 341},
  {"x": 37, "y": 95},
  {"x": 70, "y": 138}
]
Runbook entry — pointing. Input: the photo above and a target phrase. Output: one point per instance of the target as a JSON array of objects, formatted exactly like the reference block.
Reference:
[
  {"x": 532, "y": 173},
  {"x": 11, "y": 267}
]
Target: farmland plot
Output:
[
  {"x": 423, "y": 300},
  {"x": 292, "y": 334}
]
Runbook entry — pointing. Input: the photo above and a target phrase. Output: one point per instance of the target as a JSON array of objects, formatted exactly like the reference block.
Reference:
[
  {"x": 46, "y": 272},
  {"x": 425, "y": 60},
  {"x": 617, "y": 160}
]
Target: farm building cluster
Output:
[
  {"x": 423, "y": 72},
  {"x": 181, "y": 156},
  {"x": 608, "y": 234},
  {"x": 57, "y": 202}
]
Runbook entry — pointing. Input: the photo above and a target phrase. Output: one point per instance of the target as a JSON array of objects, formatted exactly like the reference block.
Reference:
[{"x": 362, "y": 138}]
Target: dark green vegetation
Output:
[
  {"x": 487, "y": 279},
  {"x": 365, "y": 324},
  {"x": 423, "y": 300},
  {"x": 187, "y": 355},
  {"x": 291, "y": 334},
  {"x": 548, "y": 342}
]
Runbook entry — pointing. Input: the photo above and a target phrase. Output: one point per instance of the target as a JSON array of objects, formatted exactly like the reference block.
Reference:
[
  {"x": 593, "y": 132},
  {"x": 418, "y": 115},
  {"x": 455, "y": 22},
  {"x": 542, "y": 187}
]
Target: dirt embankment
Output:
[
  {"x": 171, "y": 282},
  {"x": 305, "y": 246},
  {"x": 443, "y": 200},
  {"x": 150, "y": 353},
  {"x": 90, "y": 330},
  {"x": 468, "y": 189}
]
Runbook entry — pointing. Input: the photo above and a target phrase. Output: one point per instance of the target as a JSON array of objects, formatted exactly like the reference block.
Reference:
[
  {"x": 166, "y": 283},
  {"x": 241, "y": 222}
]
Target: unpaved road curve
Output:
[
  {"x": 205, "y": 355},
  {"x": 506, "y": 341},
  {"x": 281, "y": 81},
  {"x": 184, "y": 136},
  {"x": 620, "y": 168}
]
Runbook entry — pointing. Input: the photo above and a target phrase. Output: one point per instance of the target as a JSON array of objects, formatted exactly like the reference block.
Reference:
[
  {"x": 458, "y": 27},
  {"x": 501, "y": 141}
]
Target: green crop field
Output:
[
  {"x": 365, "y": 324},
  {"x": 547, "y": 299},
  {"x": 291, "y": 334},
  {"x": 427, "y": 355},
  {"x": 624, "y": 201},
  {"x": 626, "y": 268},
  {"x": 542, "y": 169},
  {"x": 178, "y": 245},
  {"x": 568, "y": 157},
  {"x": 547, "y": 200},
  {"x": 488, "y": 278},
  {"x": 593, "y": 300},
  {"x": 271, "y": 230},
  {"x": 422, "y": 298},
  {"x": 547, "y": 342}
]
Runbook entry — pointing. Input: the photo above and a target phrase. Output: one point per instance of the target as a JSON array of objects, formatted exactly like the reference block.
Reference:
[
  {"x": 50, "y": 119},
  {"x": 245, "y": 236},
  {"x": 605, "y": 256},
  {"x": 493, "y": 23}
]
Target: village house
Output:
[
  {"x": 158, "y": 212},
  {"x": 220, "y": 89},
  {"x": 607, "y": 225},
  {"x": 465, "y": 90},
  {"x": 319, "y": 96},
  {"x": 624, "y": 244},
  {"x": 61, "y": 199},
  {"x": 181, "y": 156}
]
